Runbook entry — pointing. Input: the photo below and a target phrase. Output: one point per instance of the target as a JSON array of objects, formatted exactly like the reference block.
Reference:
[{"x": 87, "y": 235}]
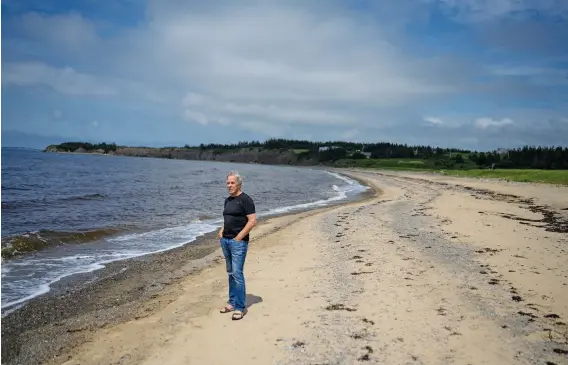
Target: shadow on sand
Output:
[{"x": 252, "y": 300}]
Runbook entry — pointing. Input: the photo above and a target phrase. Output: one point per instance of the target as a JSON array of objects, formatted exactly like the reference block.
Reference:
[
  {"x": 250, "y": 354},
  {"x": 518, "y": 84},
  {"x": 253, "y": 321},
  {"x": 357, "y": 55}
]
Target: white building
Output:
[{"x": 325, "y": 148}]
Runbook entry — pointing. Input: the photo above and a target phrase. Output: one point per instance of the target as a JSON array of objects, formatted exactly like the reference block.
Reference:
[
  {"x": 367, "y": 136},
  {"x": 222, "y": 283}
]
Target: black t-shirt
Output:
[{"x": 235, "y": 215}]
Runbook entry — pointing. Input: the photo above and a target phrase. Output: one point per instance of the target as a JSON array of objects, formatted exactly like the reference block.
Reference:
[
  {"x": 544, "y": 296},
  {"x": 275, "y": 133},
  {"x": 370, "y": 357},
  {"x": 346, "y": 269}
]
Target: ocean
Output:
[{"x": 65, "y": 214}]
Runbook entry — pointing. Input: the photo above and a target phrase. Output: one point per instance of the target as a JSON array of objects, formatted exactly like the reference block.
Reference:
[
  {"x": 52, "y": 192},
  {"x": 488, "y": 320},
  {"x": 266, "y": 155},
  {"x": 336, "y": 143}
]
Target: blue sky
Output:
[{"x": 476, "y": 74}]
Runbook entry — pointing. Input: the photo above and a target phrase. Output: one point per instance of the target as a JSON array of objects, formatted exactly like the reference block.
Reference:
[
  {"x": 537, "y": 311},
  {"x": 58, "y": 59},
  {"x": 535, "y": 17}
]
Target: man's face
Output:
[{"x": 232, "y": 185}]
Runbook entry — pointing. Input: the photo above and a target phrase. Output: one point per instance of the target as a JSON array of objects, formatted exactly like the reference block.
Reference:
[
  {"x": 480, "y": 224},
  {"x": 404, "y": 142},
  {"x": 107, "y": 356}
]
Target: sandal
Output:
[
  {"x": 238, "y": 315},
  {"x": 227, "y": 309}
]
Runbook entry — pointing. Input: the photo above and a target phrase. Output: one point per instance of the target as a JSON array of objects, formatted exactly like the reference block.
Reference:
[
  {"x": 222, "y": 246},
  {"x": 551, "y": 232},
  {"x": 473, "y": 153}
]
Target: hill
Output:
[{"x": 348, "y": 154}]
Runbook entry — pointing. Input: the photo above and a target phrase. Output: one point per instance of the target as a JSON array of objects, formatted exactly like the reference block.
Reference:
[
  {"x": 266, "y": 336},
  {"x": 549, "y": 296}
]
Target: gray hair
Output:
[{"x": 237, "y": 175}]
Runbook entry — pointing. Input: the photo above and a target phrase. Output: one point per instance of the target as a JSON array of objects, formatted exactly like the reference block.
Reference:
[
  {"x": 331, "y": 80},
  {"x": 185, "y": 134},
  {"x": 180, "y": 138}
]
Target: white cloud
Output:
[
  {"x": 282, "y": 65},
  {"x": 292, "y": 115},
  {"x": 194, "y": 116},
  {"x": 193, "y": 99},
  {"x": 69, "y": 81},
  {"x": 432, "y": 120},
  {"x": 66, "y": 80},
  {"x": 484, "y": 123},
  {"x": 269, "y": 57}
]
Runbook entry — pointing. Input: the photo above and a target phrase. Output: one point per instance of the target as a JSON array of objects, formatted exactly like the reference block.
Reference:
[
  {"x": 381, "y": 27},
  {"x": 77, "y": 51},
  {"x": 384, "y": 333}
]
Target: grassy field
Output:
[
  {"x": 402, "y": 164},
  {"x": 298, "y": 151},
  {"x": 521, "y": 175},
  {"x": 385, "y": 163},
  {"x": 468, "y": 169}
]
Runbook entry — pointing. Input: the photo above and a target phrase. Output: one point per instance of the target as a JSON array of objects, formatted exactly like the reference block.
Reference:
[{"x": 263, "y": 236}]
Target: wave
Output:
[
  {"x": 44, "y": 286},
  {"x": 15, "y": 188},
  {"x": 341, "y": 193},
  {"x": 16, "y": 204},
  {"x": 20, "y": 244},
  {"x": 95, "y": 196},
  {"x": 17, "y": 288}
]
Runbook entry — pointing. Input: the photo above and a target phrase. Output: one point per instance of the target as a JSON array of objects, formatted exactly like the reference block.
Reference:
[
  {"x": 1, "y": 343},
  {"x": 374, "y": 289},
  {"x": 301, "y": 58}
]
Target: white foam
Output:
[
  {"x": 180, "y": 233},
  {"x": 43, "y": 288},
  {"x": 130, "y": 246}
]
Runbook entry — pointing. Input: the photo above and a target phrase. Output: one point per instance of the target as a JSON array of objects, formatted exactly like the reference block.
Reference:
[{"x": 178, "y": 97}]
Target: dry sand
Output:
[{"x": 432, "y": 271}]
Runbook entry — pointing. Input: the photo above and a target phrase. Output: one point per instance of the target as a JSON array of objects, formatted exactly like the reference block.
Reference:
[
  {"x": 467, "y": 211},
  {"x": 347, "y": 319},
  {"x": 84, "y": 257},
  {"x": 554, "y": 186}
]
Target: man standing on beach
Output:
[{"x": 239, "y": 217}]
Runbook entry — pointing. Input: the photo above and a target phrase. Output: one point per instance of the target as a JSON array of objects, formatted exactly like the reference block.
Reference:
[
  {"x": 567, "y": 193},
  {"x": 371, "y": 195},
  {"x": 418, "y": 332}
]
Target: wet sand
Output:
[{"x": 434, "y": 270}]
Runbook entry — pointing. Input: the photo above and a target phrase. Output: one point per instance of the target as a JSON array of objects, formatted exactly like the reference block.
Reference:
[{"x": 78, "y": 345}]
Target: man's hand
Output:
[
  {"x": 251, "y": 223},
  {"x": 220, "y": 234}
]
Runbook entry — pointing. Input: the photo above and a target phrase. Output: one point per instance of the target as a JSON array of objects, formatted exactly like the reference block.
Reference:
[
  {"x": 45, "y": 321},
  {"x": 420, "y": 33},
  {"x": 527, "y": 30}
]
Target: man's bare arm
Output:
[
  {"x": 221, "y": 231},
  {"x": 246, "y": 230}
]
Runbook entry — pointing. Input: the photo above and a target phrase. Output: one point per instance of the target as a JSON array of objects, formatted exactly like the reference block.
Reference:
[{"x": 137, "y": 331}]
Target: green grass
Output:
[
  {"x": 299, "y": 150},
  {"x": 384, "y": 163},
  {"x": 521, "y": 175},
  {"x": 468, "y": 169},
  {"x": 464, "y": 155}
]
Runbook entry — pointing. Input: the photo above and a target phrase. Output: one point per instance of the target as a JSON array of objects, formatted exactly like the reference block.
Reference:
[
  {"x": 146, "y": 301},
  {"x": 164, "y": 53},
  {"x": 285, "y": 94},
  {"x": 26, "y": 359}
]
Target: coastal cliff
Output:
[{"x": 243, "y": 155}]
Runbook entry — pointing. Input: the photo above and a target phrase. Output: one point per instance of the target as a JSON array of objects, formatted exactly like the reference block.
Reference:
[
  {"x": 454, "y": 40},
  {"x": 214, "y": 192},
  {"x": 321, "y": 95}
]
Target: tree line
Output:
[
  {"x": 536, "y": 157},
  {"x": 549, "y": 158},
  {"x": 269, "y": 144},
  {"x": 74, "y": 146},
  {"x": 382, "y": 149}
]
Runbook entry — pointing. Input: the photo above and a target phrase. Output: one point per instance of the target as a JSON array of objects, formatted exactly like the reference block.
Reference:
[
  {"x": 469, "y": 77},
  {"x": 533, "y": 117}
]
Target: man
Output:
[{"x": 239, "y": 217}]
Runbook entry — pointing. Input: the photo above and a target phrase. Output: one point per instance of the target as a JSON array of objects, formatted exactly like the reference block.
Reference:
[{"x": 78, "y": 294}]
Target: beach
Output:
[{"x": 424, "y": 269}]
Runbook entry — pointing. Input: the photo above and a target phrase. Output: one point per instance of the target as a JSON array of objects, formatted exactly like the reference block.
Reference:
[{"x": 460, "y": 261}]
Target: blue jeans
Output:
[{"x": 235, "y": 253}]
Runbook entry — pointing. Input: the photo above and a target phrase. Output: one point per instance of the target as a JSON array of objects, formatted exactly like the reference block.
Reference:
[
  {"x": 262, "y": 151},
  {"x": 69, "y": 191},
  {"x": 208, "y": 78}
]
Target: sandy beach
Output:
[{"x": 428, "y": 270}]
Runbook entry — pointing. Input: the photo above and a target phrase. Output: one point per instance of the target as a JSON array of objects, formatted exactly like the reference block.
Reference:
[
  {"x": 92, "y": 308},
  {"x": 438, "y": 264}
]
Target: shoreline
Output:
[{"x": 123, "y": 290}]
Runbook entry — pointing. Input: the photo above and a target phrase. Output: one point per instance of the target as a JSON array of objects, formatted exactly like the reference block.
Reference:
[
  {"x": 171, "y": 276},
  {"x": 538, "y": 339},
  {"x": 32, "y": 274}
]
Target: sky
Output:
[{"x": 475, "y": 74}]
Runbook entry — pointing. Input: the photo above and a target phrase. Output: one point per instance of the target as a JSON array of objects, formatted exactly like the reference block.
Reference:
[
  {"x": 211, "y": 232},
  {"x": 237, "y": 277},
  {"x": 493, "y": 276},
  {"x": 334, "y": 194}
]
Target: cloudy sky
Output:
[{"x": 478, "y": 74}]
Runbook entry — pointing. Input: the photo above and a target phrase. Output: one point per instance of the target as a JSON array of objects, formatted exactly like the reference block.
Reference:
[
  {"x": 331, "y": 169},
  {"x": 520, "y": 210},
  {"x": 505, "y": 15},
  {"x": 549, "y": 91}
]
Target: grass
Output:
[
  {"x": 467, "y": 169},
  {"x": 384, "y": 163},
  {"x": 299, "y": 150},
  {"x": 464, "y": 155},
  {"x": 520, "y": 175}
]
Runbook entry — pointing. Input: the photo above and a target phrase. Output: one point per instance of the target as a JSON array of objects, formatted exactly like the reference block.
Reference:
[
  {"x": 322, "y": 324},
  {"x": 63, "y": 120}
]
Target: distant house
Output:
[
  {"x": 326, "y": 148},
  {"x": 503, "y": 151},
  {"x": 366, "y": 154}
]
